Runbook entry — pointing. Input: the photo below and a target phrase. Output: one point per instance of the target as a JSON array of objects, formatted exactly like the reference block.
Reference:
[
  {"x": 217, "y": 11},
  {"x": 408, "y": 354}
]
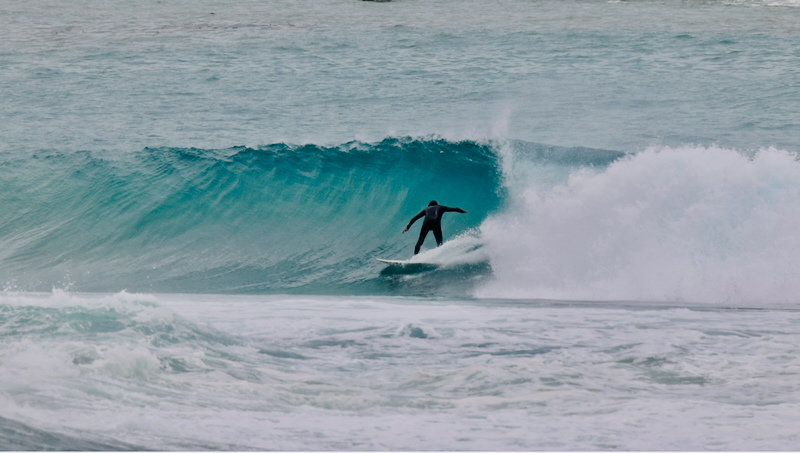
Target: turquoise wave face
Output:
[
  {"x": 276, "y": 218},
  {"x": 279, "y": 218}
]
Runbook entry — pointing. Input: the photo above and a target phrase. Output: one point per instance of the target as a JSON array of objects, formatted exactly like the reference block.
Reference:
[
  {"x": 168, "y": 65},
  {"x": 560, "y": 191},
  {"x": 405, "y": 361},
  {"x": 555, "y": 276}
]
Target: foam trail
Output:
[
  {"x": 462, "y": 250},
  {"x": 672, "y": 224}
]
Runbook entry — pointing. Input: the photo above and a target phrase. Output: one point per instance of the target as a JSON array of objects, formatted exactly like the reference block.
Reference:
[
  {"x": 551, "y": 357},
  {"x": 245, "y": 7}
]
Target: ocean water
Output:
[{"x": 193, "y": 195}]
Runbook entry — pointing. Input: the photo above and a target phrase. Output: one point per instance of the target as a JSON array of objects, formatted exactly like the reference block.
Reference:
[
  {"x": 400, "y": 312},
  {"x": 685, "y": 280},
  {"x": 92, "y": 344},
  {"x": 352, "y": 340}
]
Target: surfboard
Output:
[{"x": 404, "y": 262}]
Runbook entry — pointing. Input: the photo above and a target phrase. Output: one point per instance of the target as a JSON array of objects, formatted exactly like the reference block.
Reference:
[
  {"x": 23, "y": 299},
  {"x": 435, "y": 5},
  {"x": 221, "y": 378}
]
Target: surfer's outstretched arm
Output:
[
  {"x": 446, "y": 209},
  {"x": 416, "y": 217}
]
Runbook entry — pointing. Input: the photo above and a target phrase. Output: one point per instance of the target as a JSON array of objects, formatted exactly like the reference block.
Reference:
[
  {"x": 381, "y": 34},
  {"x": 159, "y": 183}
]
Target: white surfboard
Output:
[{"x": 404, "y": 262}]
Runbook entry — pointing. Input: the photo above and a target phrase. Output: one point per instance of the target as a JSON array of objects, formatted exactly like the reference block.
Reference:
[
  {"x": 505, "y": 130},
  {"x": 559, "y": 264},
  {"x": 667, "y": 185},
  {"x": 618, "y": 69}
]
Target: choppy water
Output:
[
  {"x": 192, "y": 195},
  {"x": 277, "y": 372}
]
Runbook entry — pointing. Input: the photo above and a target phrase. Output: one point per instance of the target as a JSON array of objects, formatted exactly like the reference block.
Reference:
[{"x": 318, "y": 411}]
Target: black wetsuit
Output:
[{"x": 432, "y": 222}]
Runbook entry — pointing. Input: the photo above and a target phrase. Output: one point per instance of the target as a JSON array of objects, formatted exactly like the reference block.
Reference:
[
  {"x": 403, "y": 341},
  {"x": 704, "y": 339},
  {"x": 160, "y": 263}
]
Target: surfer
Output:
[{"x": 433, "y": 222}]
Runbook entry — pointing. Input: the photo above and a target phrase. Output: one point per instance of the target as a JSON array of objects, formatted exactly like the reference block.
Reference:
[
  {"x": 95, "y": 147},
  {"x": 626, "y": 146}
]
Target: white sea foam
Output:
[
  {"x": 281, "y": 372},
  {"x": 668, "y": 224},
  {"x": 463, "y": 249}
]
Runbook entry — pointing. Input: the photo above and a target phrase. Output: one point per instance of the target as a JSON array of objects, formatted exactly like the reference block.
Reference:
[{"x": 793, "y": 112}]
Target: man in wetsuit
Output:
[{"x": 433, "y": 222}]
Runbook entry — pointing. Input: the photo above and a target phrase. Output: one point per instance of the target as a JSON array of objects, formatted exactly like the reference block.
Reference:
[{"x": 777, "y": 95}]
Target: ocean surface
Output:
[{"x": 193, "y": 195}]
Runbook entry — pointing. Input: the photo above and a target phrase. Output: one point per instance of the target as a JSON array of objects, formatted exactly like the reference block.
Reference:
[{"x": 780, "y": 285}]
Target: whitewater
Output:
[{"x": 193, "y": 195}]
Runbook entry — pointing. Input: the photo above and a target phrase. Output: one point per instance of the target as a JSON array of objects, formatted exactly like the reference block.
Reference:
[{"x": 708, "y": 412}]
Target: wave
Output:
[
  {"x": 278, "y": 218},
  {"x": 685, "y": 224}
]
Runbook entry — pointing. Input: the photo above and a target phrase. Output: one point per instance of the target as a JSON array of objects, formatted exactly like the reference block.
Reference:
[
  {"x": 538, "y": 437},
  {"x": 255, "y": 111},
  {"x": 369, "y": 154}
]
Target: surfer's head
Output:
[{"x": 433, "y": 203}]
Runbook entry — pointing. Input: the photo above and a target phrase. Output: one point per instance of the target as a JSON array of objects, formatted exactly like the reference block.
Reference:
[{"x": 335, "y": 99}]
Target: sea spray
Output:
[{"x": 668, "y": 224}]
